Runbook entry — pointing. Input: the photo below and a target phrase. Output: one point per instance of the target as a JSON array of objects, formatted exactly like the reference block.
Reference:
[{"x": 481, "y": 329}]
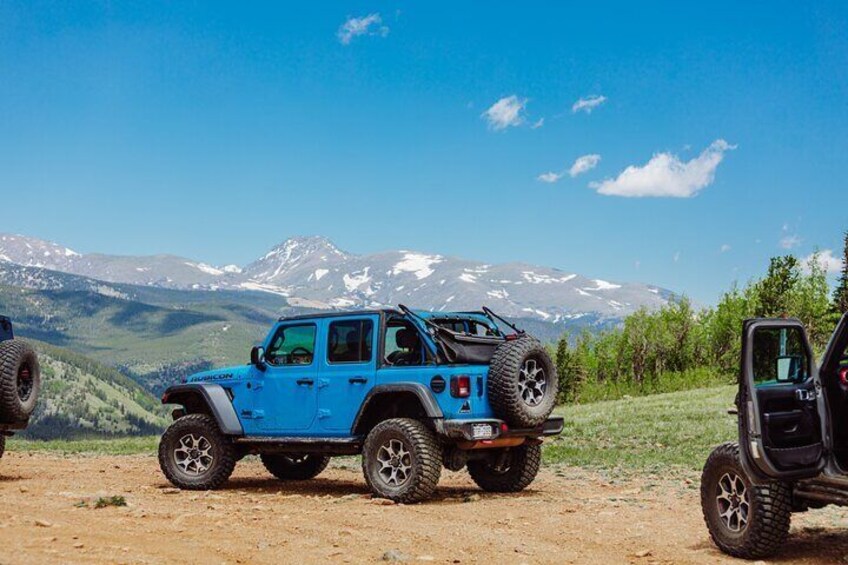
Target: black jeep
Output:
[
  {"x": 792, "y": 452},
  {"x": 20, "y": 382}
]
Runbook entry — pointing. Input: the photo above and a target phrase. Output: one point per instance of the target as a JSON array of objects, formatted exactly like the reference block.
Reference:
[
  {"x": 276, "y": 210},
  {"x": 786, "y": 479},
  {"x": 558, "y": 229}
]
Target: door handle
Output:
[
  {"x": 804, "y": 395},
  {"x": 357, "y": 380},
  {"x": 305, "y": 382}
]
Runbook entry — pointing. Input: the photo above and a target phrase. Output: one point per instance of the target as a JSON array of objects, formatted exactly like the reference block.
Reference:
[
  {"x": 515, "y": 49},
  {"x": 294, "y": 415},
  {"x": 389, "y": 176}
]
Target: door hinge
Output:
[{"x": 324, "y": 414}]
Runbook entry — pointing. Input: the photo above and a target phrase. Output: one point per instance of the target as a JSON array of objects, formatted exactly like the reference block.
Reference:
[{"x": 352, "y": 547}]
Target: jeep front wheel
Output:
[
  {"x": 402, "y": 461},
  {"x": 294, "y": 466},
  {"x": 507, "y": 470},
  {"x": 744, "y": 520},
  {"x": 195, "y": 455}
]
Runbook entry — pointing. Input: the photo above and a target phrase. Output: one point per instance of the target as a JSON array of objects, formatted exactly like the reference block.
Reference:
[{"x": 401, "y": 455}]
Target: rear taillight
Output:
[
  {"x": 461, "y": 386},
  {"x": 843, "y": 376}
]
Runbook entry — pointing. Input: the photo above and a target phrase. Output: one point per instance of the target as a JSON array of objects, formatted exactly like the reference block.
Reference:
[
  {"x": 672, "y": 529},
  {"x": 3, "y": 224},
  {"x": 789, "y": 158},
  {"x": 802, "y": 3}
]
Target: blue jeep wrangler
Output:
[
  {"x": 412, "y": 392},
  {"x": 20, "y": 382}
]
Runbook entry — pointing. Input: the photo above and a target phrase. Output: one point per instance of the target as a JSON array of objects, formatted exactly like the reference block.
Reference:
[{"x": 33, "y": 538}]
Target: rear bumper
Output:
[{"x": 488, "y": 429}]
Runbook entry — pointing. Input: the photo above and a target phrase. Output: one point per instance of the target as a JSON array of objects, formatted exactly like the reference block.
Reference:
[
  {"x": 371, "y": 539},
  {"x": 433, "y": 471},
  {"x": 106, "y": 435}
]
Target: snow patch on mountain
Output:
[{"x": 416, "y": 263}]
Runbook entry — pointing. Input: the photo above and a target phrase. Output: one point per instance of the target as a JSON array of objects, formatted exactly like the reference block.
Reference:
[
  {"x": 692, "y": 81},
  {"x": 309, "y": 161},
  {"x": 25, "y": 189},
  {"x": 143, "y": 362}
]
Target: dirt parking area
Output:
[{"x": 569, "y": 515}]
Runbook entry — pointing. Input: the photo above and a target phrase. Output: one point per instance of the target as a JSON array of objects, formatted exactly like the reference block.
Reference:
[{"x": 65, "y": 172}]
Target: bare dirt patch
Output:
[{"x": 50, "y": 514}]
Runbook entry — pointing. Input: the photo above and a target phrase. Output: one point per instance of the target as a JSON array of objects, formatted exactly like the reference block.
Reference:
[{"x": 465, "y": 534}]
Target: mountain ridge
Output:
[{"x": 312, "y": 272}]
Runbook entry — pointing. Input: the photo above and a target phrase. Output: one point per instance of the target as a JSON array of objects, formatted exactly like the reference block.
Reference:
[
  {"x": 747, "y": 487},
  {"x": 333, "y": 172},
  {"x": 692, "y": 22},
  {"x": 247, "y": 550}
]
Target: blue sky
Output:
[{"x": 216, "y": 130}]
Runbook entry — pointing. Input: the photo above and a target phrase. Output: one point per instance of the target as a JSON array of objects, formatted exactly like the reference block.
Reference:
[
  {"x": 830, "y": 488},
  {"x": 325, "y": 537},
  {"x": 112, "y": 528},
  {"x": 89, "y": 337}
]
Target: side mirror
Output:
[{"x": 257, "y": 357}]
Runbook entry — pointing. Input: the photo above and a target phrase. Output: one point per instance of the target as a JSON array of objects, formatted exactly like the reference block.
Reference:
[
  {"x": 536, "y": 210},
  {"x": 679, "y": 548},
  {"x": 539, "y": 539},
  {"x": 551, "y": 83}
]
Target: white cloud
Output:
[
  {"x": 790, "y": 241},
  {"x": 828, "y": 262},
  {"x": 665, "y": 175},
  {"x": 588, "y": 103},
  {"x": 549, "y": 177},
  {"x": 505, "y": 112},
  {"x": 725, "y": 248},
  {"x": 371, "y": 24},
  {"x": 538, "y": 123},
  {"x": 583, "y": 164},
  {"x": 676, "y": 256}
]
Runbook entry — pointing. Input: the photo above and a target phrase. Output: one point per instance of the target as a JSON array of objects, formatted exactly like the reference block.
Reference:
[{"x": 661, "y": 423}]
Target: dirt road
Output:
[{"x": 569, "y": 516}]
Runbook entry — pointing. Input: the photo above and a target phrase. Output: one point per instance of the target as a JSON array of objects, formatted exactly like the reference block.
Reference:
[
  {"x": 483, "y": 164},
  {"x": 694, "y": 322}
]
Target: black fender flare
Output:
[
  {"x": 424, "y": 395},
  {"x": 214, "y": 397}
]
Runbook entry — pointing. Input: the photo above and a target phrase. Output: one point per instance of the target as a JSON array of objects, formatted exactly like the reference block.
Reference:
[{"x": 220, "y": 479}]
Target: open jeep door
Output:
[{"x": 780, "y": 402}]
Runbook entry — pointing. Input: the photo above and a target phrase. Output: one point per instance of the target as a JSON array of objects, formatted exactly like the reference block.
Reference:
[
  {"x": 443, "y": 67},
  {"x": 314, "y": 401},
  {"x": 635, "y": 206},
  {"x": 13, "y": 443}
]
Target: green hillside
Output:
[
  {"x": 155, "y": 342},
  {"x": 82, "y": 398}
]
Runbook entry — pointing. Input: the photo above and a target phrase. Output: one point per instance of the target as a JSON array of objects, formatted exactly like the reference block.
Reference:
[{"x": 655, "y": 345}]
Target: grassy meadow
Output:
[{"x": 645, "y": 434}]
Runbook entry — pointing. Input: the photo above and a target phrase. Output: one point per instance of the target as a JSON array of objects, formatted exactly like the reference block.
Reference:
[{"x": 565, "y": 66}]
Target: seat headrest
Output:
[
  {"x": 352, "y": 338},
  {"x": 406, "y": 338}
]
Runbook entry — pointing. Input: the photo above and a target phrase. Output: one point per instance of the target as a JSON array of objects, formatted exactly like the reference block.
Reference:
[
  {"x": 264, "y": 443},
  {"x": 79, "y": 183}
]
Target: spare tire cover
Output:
[{"x": 522, "y": 382}]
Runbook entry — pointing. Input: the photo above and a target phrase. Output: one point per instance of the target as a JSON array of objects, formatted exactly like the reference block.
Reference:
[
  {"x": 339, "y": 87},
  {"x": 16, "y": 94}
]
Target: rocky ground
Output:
[{"x": 50, "y": 514}]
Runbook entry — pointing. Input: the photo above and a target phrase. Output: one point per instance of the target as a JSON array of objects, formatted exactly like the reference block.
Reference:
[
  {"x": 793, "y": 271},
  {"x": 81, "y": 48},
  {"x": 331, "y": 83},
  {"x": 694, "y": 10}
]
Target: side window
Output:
[
  {"x": 403, "y": 345},
  {"x": 350, "y": 341},
  {"x": 292, "y": 345},
  {"x": 780, "y": 356}
]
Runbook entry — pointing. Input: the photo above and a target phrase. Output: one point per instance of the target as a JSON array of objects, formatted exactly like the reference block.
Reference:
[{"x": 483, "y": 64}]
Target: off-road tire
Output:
[
  {"x": 20, "y": 381},
  {"x": 294, "y": 467},
  {"x": 768, "y": 516},
  {"x": 2, "y": 445},
  {"x": 424, "y": 460},
  {"x": 522, "y": 466},
  {"x": 505, "y": 390},
  {"x": 222, "y": 451}
]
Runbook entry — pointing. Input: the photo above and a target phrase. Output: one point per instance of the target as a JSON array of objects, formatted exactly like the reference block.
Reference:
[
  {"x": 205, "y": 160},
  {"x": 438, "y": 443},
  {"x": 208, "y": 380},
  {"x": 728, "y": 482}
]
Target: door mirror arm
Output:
[{"x": 257, "y": 358}]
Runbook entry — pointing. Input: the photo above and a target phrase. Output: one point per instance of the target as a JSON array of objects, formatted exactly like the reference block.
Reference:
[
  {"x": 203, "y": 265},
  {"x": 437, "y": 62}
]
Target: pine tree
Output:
[
  {"x": 774, "y": 292},
  {"x": 840, "y": 295}
]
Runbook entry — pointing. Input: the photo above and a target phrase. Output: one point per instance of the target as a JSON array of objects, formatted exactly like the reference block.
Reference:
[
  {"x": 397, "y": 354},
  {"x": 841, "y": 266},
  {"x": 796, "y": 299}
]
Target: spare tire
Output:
[
  {"x": 20, "y": 381},
  {"x": 522, "y": 382}
]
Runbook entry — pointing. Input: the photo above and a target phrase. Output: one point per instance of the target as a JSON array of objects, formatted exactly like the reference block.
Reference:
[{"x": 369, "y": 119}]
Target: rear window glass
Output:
[{"x": 350, "y": 341}]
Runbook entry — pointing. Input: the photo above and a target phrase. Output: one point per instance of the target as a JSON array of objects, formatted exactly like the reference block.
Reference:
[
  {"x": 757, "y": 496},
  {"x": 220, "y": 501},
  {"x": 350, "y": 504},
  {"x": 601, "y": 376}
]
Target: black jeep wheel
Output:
[
  {"x": 507, "y": 470},
  {"x": 20, "y": 380},
  {"x": 195, "y": 455},
  {"x": 402, "y": 460},
  {"x": 745, "y": 520},
  {"x": 523, "y": 382},
  {"x": 294, "y": 466}
]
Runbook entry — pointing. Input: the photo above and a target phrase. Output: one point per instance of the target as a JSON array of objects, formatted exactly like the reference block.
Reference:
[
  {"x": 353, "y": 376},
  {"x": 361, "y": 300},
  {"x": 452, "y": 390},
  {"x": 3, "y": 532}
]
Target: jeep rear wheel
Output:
[
  {"x": 20, "y": 380},
  {"x": 744, "y": 520},
  {"x": 402, "y": 461},
  {"x": 507, "y": 470},
  {"x": 294, "y": 466},
  {"x": 522, "y": 382},
  {"x": 195, "y": 455}
]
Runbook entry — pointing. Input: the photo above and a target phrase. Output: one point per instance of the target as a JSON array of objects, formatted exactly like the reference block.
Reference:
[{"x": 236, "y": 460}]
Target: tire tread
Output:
[
  {"x": 226, "y": 453},
  {"x": 771, "y": 510},
  {"x": 428, "y": 454}
]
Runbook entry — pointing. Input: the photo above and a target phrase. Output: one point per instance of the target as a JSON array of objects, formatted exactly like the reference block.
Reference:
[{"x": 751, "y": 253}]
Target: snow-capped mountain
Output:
[{"x": 312, "y": 272}]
